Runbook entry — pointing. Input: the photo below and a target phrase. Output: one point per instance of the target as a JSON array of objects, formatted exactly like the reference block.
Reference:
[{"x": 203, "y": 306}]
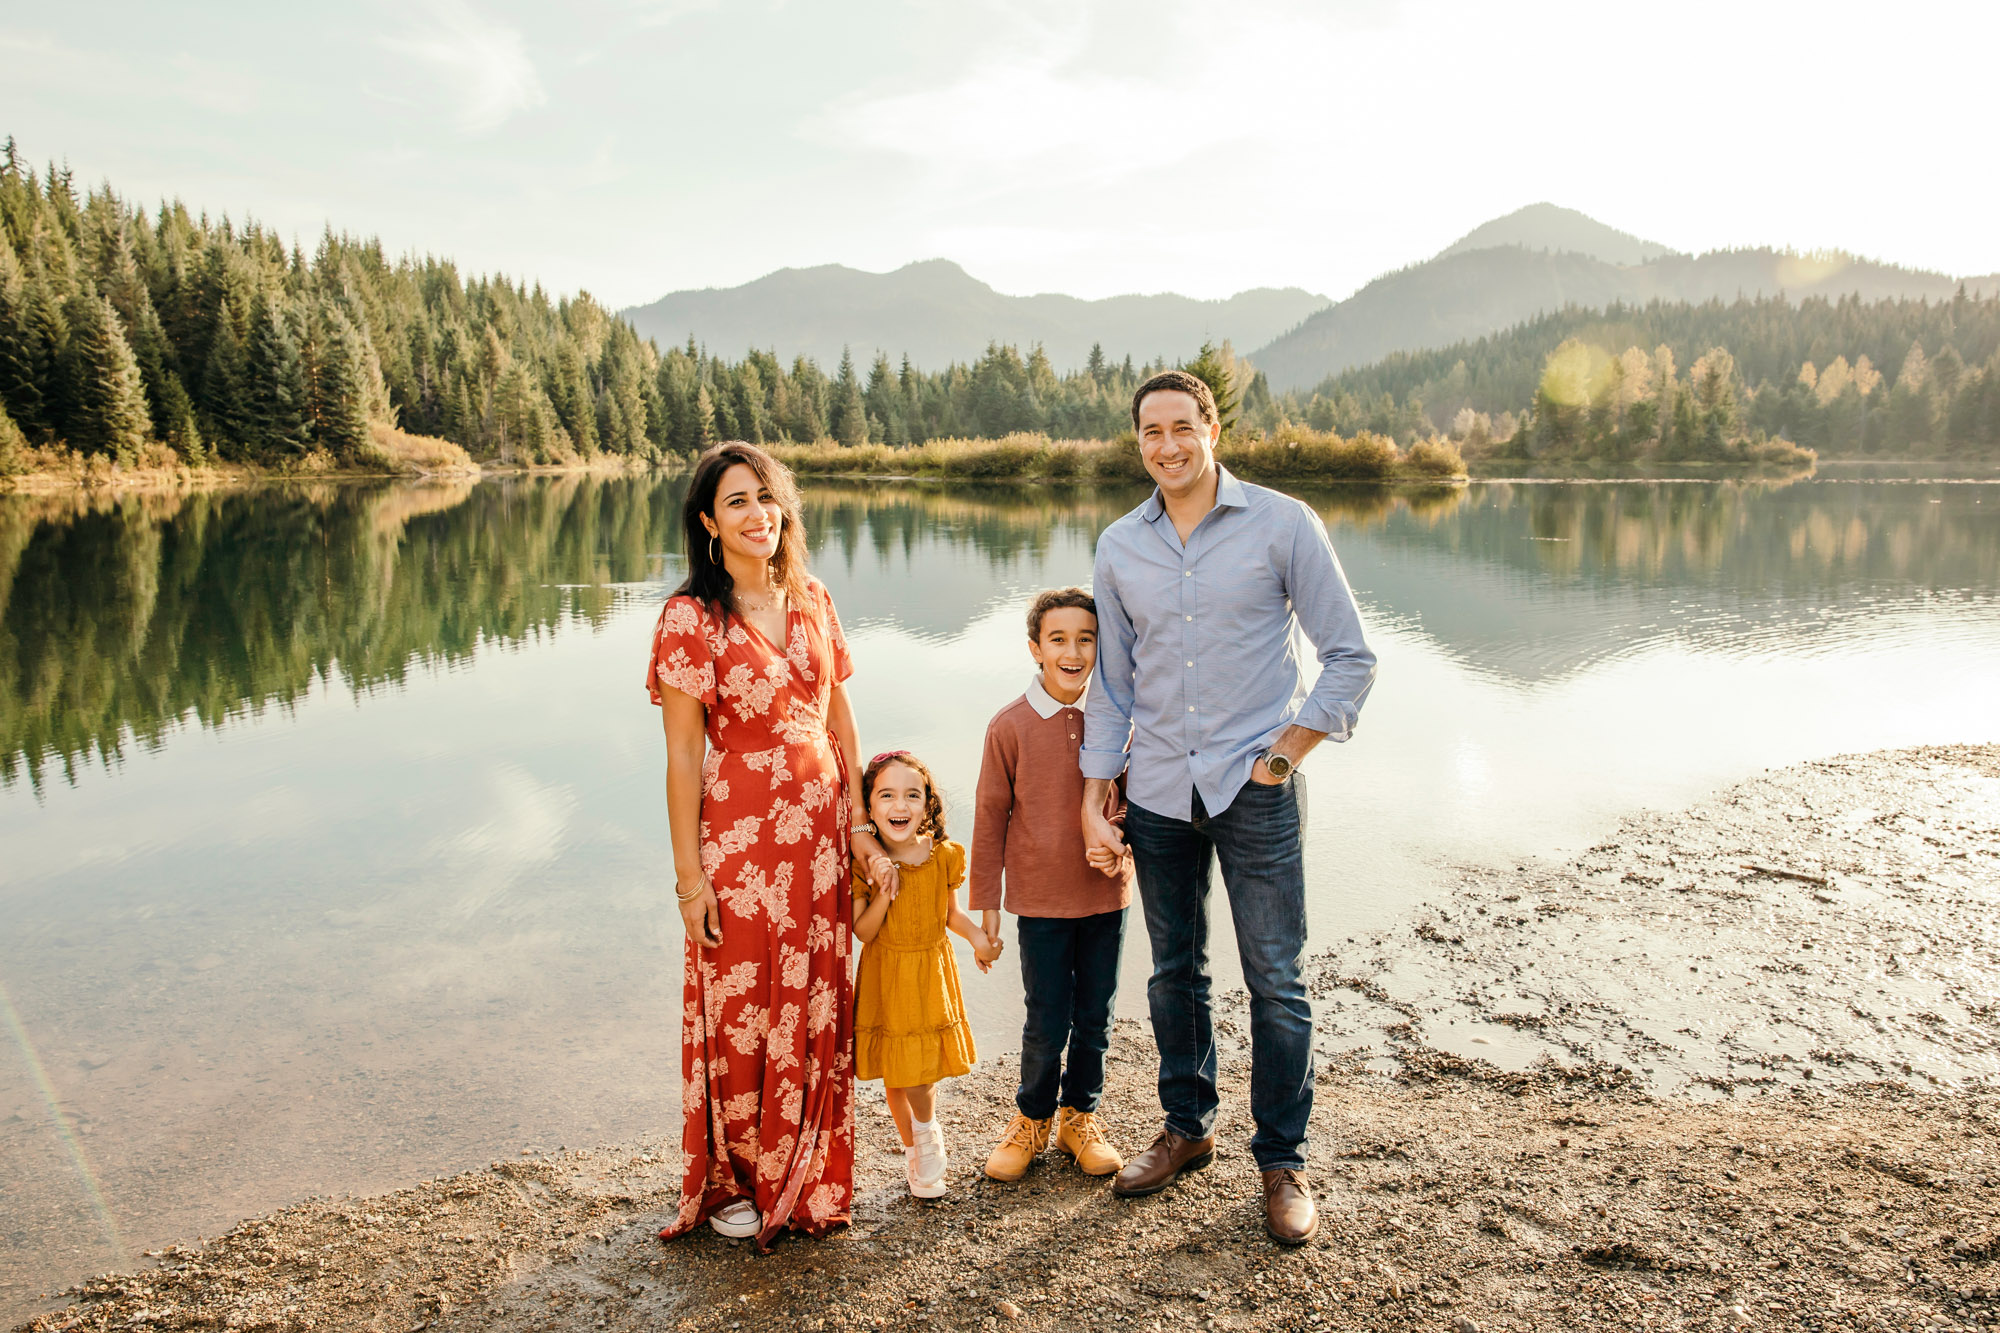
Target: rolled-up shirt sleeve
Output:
[
  {"x": 1324, "y": 605},
  {"x": 1107, "y": 714}
]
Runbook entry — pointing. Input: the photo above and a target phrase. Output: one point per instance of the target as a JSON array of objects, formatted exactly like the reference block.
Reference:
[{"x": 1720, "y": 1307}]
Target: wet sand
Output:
[{"x": 1731, "y": 1068}]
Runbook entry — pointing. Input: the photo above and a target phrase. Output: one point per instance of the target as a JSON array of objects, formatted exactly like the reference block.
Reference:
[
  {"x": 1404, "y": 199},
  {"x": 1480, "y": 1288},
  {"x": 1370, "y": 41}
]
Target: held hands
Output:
[
  {"x": 1102, "y": 845},
  {"x": 701, "y": 914},
  {"x": 1107, "y": 862},
  {"x": 876, "y": 864},
  {"x": 988, "y": 953}
]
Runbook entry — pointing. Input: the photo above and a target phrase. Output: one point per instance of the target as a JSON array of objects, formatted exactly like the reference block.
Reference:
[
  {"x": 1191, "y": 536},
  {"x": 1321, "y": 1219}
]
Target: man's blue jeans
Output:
[
  {"x": 1069, "y": 973},
  {"x": 1259, "y": 839}
]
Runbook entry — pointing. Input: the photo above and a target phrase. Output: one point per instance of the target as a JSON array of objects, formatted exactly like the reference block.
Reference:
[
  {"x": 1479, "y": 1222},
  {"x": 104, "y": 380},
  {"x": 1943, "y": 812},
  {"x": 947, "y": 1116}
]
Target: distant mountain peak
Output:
[{"x": 1551, "y": 227}]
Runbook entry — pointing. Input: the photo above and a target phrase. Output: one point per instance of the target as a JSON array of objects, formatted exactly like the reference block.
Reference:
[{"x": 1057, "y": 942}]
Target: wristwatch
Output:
[{"x": 1277, "y": 765}]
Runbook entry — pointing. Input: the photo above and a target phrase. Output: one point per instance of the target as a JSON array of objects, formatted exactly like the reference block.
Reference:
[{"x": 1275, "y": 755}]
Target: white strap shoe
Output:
[
  {"x": 926, "y": 1164},
  {"x": 738, "y": 1219}
]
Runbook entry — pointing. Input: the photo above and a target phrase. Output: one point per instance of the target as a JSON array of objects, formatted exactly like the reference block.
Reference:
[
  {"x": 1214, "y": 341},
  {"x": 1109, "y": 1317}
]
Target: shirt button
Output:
[
  {"x": 1190, "y": 664},
  {"x": 1187, "y": 617},
  {"x": 1190, "y": 708},
  {"x": 1187, "y": 574}
]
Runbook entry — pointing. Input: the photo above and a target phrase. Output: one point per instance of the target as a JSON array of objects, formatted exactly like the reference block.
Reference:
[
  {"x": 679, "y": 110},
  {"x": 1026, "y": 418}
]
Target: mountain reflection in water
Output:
[{"x": 335, "y": 849}]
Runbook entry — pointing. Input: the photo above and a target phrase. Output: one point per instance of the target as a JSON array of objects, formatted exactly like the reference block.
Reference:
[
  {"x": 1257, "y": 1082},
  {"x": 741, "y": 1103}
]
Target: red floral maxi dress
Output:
[{"x": 767, "y": 1064}]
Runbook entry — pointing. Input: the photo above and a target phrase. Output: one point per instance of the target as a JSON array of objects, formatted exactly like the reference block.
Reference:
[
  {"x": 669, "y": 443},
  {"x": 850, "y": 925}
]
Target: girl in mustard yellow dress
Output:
[{"x": 909, "y": 1018}]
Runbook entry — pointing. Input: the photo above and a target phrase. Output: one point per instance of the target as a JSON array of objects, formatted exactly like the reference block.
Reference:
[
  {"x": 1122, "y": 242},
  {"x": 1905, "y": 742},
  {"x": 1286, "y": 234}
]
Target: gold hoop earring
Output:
[{"x": 711, "y": 550}]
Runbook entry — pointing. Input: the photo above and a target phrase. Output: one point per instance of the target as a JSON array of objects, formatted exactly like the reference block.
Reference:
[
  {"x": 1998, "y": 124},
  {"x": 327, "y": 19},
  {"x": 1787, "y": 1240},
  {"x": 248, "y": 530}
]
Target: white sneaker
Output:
[
  {"x": 736, "y": 1219},
  {"x": 926, "y": 1164}
]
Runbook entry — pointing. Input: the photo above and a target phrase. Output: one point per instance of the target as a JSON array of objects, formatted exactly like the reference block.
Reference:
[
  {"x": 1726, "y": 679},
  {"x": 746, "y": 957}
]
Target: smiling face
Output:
[
  {"x": 1177, "y": 445},
  {"x": 898, "y": 804},
  {"x": 1066, "y": 651},
  {"x": 747, "y": 518}
]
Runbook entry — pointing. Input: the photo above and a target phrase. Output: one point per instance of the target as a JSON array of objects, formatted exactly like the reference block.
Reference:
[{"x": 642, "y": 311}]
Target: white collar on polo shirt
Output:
[{"x": 1046, "y": 705}]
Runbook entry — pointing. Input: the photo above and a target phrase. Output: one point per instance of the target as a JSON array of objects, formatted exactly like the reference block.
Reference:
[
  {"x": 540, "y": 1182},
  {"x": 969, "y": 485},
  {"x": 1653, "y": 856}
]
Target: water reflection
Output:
[{"x": 122, "y": 617}]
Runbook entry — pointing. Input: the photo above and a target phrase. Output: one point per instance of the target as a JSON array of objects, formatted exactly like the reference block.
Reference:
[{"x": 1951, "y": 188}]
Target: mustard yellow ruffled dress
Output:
[{"x": 909, "y": 1017}]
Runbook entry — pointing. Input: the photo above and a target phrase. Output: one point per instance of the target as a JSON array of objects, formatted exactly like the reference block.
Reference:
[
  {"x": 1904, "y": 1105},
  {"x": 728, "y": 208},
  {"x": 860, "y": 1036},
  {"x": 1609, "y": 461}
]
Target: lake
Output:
[{"x": 334, "y": 840}]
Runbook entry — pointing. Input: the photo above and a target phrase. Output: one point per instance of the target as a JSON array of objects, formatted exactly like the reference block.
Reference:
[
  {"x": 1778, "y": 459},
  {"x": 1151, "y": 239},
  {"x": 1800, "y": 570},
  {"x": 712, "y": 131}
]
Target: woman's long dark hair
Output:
[{"x": 708, "y": 581}]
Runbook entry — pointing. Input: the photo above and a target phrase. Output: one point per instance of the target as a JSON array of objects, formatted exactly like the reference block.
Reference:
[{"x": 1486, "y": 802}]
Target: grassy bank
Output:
[
  {"x": 1294, "y": 454},
  {"x": 390, "y": 453}
]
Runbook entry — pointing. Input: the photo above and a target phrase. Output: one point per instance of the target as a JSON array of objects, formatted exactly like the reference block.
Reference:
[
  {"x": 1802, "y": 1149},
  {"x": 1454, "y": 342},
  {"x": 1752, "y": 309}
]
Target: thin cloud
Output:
[{"x": 484, "y": 64}]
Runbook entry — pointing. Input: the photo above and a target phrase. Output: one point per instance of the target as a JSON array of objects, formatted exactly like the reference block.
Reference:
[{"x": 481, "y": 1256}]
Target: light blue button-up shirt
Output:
[{"x": 1198, "y": 647}]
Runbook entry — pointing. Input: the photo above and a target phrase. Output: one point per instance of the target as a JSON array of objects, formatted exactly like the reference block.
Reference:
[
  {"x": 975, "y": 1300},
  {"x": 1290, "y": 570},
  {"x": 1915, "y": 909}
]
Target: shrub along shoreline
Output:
[{"x": 1292, "y": 453}]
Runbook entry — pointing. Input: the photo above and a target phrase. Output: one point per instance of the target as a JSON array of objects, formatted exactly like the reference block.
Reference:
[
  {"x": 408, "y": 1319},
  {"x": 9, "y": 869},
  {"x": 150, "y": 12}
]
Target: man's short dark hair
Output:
[
  {"x": 1178, "y": 381},
  {"x": 1055, "y": 599}
]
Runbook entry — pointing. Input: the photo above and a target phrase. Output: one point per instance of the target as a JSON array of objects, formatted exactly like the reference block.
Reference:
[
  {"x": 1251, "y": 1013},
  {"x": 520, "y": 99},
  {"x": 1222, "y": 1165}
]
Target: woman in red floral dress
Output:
[{"x": 747, "y": 666}]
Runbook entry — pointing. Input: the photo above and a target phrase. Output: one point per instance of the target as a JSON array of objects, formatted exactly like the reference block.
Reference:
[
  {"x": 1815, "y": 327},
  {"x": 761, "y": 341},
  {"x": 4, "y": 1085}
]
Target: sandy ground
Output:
[{"x": 1658, "y": 1087}]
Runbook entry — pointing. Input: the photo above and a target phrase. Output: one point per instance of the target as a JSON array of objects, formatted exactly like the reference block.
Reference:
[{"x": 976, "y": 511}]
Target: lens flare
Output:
[{"x": 64, "y": 1131}]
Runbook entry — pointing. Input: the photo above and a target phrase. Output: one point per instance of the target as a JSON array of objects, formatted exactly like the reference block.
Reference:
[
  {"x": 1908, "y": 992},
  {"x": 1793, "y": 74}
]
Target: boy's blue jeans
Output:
[
  {"x": 1069, "y": 973},
  {"x": 1259, "y": 840}
]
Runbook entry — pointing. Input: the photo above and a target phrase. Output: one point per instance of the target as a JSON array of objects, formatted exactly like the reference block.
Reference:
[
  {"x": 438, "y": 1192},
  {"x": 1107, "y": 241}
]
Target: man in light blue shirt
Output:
[{"x": 1203, "y": 702}]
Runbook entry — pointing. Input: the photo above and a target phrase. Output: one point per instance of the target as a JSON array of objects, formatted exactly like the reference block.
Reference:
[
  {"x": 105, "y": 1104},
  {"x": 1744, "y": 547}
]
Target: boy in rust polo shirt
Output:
[{"x": 1071, "y": 917}]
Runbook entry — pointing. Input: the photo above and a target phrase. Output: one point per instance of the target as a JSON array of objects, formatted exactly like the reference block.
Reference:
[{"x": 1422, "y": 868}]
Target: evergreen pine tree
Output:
[
  {"x": 339, "y": 399},
  {"x": 225, "y": 399},
  {"x": 883, "y": 398},
  {"x": 20, "y": 386},
  {"x": 278, "y": 398},
  {"x": 48, "y": 342},
  {"x": 1212, "y": 368},
  {"x": 748, "y": 391},
  {"x": 178, "y": 427},
  {"x": 154, "y": 353},
  {"x": 111, "y": 418},
  {"x": 850, "y": 412}
]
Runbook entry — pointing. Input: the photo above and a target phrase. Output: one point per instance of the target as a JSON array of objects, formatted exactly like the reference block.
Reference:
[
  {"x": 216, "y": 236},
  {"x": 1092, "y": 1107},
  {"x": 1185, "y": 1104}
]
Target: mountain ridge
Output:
[
  {"x": 937, "y": 313},
  {"x": 1458, "y": 296},
  {"x": 1538, "y": 258}
]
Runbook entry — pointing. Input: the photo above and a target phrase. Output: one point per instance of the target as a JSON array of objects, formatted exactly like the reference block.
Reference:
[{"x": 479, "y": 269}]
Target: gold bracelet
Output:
[{"x": 699, "y": 885}]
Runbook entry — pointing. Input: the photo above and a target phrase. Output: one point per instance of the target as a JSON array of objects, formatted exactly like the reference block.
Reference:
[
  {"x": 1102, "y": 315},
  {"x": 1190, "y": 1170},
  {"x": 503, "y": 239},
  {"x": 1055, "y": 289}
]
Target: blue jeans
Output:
[
  {"x": 1259, "y": 839},
  {"x": 1069, "y": 972}
]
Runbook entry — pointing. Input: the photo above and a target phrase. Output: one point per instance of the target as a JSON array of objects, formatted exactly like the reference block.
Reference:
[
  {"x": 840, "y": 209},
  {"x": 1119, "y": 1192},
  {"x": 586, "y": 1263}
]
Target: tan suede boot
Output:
[
  {"x": 1078, "y": 1134},
  {"x": 1016, "y": 1152}
]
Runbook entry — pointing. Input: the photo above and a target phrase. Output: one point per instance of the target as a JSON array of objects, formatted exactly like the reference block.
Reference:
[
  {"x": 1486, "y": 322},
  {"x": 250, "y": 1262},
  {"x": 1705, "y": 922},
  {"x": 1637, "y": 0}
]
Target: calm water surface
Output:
[{"x": 332, "y": 817}]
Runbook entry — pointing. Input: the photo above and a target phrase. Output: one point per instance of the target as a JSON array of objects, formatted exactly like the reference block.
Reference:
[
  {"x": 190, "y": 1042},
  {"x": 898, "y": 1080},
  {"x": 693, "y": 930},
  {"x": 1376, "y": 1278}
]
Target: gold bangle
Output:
[{"x": 699, "y": 885}]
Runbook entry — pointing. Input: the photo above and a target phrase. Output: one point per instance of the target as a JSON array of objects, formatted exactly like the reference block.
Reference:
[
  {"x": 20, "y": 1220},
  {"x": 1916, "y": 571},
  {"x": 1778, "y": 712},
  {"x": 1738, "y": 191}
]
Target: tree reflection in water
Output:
[{"x": 124, "y": 617}]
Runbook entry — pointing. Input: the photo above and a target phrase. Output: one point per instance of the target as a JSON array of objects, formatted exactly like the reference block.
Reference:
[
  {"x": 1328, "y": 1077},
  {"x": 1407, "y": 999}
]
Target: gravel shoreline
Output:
[{"x": 1531, "y": 1116}]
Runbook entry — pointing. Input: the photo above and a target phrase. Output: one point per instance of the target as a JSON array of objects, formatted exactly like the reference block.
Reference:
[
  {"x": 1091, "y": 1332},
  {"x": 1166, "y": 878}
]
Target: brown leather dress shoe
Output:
[
  {"x": 1160, "y": 1165},
  {"x": 1289, "y": 1214}
]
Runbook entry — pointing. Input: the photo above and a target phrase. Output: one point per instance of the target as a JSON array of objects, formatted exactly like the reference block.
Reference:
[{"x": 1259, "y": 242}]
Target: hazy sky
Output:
[{"x": 1088, "y": 146}]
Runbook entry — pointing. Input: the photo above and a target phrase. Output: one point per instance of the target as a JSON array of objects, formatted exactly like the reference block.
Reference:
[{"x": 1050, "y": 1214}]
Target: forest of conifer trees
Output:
[
  {"x": 174, "y": 337},
  {"x": 1843, "y": 378},
  {"x": 124, "y": 334}
]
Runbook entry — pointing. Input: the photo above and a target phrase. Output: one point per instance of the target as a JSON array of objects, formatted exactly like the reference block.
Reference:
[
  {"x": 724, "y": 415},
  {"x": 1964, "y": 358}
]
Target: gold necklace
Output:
[{"x": 746, "y": 604}]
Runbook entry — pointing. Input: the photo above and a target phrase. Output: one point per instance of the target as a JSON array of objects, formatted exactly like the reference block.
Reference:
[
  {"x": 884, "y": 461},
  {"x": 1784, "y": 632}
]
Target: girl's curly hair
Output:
[{"x": 933, "y": 803}]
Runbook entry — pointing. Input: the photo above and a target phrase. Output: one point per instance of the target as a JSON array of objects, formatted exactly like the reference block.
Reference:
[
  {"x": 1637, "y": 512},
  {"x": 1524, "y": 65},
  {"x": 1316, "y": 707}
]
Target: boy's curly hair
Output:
[
  {"x": 1055, "y": 599},
  {"x": 933, "y": 803}
]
